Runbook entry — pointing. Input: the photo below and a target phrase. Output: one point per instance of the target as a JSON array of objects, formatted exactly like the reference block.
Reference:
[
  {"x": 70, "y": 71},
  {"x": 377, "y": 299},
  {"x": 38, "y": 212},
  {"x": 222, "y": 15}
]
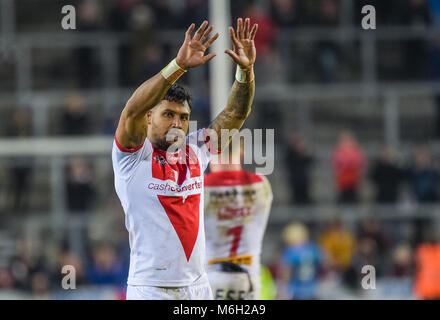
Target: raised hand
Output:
[
  {"x": 244, "y": 52},
  {"x": 192, "y": 52}
]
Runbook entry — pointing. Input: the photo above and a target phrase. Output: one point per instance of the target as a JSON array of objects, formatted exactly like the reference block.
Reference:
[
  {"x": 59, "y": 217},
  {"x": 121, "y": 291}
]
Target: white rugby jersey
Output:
[
  {"x": 163, "y": 205},
  {"x": 237, "y": 207}
]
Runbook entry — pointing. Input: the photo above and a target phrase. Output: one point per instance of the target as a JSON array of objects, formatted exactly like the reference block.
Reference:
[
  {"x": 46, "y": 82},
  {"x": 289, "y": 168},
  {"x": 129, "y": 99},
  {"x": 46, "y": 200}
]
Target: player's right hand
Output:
[{"x": 192, "y": 52}]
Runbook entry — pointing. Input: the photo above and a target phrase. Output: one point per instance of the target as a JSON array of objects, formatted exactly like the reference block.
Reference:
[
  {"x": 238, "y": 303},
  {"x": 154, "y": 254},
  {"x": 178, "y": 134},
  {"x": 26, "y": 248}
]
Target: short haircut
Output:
[{"x": 178, "y": 94}]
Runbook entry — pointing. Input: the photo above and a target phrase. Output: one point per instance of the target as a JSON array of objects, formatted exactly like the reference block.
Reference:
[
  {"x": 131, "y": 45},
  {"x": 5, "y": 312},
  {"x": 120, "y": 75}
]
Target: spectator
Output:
[
  {"x": 427, "y": 282},
  {"x": 285, "y": 13},
  {"x": 196, "y": 12},
  {"x": 67, "y": 258},
  {"x": 301, "y": 261},
  {"x": 105, "y": 269},
  {"x": 348, "y": 165},
  {"x": 417, "y": 16},
  {"x": 75, "y": 120},
  {"x": 266, "y": 28},
  {"x": 121, "y": 20},
  {"x": 80, "y": 189},
  {"x": 87, "y": 63},
  {"x": 402, "y": 261},
  {"x": 424, "y": 176},
  {"x": 328, "y": 50},
  {"x": 370, "y": 229},
  {"x": 20, "y": 173},
  {"x": 387, "y": 176},
  {"x": 339, "y": 245},
  {"x": 298, "y": 163},
  {"x": 153, "y": 61}
]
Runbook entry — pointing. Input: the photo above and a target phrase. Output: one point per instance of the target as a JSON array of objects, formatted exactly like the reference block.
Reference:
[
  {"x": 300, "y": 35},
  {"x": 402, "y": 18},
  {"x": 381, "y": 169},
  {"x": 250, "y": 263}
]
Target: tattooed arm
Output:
[{"x": 242, "y": 94}]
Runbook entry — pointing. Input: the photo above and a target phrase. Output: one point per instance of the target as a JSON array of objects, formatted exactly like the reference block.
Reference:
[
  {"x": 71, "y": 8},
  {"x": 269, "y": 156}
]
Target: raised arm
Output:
[
  {"x": 132, "y": 127},
  {"x": 242, "y": 93}
]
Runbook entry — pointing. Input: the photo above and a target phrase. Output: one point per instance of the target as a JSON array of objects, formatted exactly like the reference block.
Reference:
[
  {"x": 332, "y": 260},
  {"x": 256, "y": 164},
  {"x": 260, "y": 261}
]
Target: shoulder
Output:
[{"x": 231, "y": 178}]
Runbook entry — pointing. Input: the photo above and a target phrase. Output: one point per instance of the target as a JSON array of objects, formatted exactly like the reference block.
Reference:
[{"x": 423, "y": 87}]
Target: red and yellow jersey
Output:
[{"x": 237, "y": 207}]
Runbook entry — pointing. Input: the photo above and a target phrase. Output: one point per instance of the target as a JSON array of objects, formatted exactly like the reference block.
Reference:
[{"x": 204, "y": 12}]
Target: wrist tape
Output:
[
  {"x": 244, "y": 75},
  {"x": 172, "y": 72}
]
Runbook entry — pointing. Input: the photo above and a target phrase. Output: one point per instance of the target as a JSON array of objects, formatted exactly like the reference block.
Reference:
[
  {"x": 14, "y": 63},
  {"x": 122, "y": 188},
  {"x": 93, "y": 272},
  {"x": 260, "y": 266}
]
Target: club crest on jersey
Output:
[{"x": 160, "y": 159}]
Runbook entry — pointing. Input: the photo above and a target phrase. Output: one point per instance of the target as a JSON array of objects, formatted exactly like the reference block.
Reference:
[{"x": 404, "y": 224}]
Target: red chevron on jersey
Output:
[{"x": 184, "y": 216}]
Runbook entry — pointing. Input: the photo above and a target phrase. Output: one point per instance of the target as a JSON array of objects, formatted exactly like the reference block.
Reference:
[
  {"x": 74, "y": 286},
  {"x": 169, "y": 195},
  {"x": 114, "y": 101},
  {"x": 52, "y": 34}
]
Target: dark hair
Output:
[{"x": 178, "y": 94}]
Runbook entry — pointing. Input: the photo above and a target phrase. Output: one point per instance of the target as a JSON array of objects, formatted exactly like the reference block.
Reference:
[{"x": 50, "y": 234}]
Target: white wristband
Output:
[
  {"x": 244, "y": 75},
  {"x": 172, "y": 72}
]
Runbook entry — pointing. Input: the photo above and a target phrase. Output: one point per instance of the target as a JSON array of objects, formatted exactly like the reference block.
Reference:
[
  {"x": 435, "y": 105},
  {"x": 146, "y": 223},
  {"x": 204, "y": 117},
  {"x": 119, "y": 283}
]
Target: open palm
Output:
[
  {"x": 192, "y": 52},
  {"x": 244, "y": 52}
]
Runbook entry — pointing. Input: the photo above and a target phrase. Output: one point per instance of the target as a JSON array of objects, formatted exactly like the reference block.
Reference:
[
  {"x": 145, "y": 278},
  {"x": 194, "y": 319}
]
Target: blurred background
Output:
[{"x": 357, "y": 127}]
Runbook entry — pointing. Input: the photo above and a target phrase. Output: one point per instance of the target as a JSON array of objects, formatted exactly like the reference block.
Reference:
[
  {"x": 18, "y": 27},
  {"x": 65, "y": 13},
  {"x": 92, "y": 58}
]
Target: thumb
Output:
[
  {"x": 233, "y": 55},
  {"x": 209, "y": 57}
]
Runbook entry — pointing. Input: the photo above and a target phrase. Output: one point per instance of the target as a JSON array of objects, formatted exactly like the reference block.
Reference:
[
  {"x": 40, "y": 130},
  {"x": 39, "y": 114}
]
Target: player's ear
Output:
[{"x": 149, "y": 116}]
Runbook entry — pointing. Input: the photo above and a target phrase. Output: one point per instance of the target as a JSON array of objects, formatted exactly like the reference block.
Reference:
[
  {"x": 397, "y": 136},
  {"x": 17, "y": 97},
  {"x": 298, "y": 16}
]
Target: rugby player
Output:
[
  {"x": 237, "y": 208},
  {"x": 158, "y": 168}
]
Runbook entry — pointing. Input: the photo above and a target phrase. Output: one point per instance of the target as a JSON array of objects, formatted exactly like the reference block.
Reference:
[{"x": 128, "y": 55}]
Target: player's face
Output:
[{"x": 168, "y": 124}]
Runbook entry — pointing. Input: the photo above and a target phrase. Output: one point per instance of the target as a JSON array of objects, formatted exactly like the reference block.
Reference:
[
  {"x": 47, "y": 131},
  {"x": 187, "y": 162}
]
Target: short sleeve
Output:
[
  {"x": 200, "y": 140},
  {"x": 125, "y": 160}
]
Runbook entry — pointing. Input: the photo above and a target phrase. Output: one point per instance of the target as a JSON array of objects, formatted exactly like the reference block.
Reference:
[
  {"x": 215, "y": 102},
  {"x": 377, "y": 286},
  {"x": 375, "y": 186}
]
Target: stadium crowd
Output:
[{"x": 395, "y": 179}]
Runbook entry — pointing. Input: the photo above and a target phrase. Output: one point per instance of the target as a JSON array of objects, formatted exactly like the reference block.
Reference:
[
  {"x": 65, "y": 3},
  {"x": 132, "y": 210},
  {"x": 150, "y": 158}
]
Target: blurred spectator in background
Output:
[
  {"x": 298, "y": 163},
  {"x": 301, "y": 262},
  {"x": 120, "y": 15},
  {"x": 153, "y": 60},
  {"x": 348, "y": 165},
  {"x": 20, "y": 172},
  {"x": 266, "y": 28},
  {"x": 196, "y": 11},
  {"x": 371, "y": 230},
  {"x": 339, "y": 244},
  {"x": 387, "y": 176},
  {"x": 328, "y": 50},
  {"x": 67, "y": 258},
  {"x": 285, "y": 13},
  {"x": 89, "y": 16},
  {"x": 106, "y": 268},
  {"x": 120, "y": 20},
  {"x": 27, "y": 262},
  {"x": 424, "y": 176},
  {"x": 75, "y": 120},
  {"x": 6, "y": 279},
  {"x": 427, "y": 282},
  {"x": 403, "y": 264},
  {"x": 80, "y": 189},
  {"x": 416, "y": 14}
]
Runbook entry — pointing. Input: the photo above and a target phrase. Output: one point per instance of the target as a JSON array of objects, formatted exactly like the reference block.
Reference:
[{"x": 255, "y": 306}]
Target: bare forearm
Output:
[{"x": 149, "y": 94}]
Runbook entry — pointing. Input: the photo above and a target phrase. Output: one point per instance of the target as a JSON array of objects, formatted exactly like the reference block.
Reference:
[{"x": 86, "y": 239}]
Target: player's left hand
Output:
[{"x": 244, "y": 52}]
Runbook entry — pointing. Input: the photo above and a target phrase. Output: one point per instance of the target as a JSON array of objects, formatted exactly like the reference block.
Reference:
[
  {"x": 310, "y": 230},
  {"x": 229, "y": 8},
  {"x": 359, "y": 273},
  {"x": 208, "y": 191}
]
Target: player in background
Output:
[
  {"x": 237, "y": 208},
  {"x": 159, "y": 170}
]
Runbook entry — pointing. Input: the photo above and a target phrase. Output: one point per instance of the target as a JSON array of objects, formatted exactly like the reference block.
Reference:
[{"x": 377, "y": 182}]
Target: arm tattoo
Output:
[{"x": 237, "y": 109}]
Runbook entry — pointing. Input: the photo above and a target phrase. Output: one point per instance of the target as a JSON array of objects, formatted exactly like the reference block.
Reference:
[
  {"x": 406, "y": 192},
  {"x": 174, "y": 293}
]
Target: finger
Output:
[
  {"x": 240, "y": 34},
  {"x": 209, "y": 57},
  {"x": 189, "y": 31},
  {"x": 208, "y": 43},
  {"x": 199, "y": 32},
  {"x": 206, "y": 33},
  {"x": 232, "y": 54},
  {"x": 254, "y": 31},
  {"x": 233, "y": 37},
  {"x": 247, "y": 24}
]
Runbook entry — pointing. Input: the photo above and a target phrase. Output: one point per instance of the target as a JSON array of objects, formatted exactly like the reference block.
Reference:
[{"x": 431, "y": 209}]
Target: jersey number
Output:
[{"x": 236, "y": 233}]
